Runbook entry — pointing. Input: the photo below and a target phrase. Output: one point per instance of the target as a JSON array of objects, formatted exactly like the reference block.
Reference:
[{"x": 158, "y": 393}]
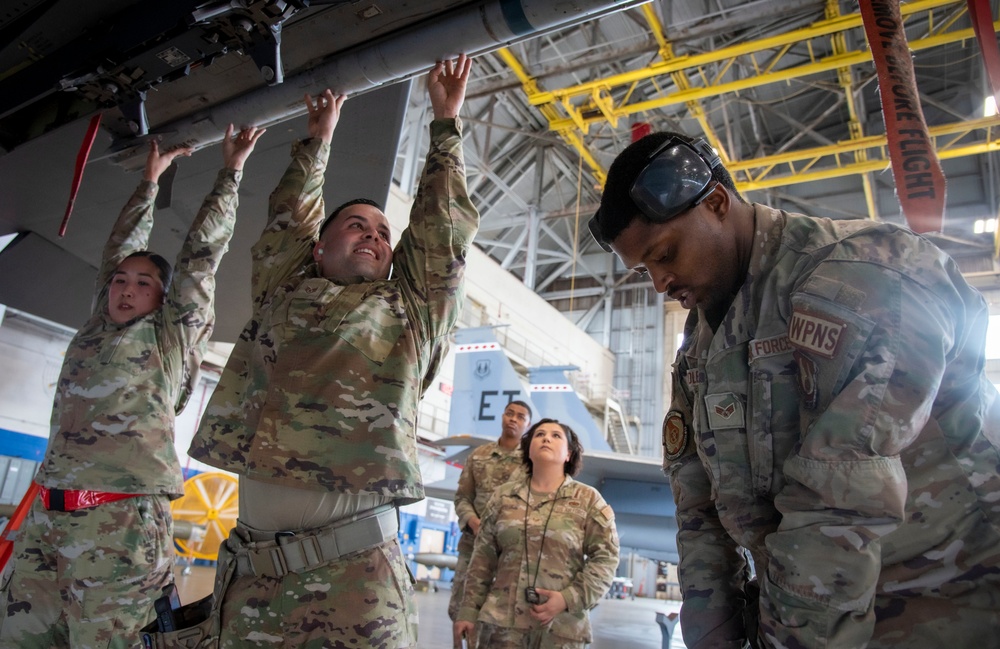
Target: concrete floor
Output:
[{"x": 617, "y": 623}]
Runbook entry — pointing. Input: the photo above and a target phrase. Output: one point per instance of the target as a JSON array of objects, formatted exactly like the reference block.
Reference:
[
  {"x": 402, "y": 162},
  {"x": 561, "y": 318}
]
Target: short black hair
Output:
[
  {"x": 575, "y": 461},
  {"x": 354, "y": 201},
  {"x": 518, "y": 402},
  {"x": 617, "y": 207},
  {"x": 165, "y": 271}
]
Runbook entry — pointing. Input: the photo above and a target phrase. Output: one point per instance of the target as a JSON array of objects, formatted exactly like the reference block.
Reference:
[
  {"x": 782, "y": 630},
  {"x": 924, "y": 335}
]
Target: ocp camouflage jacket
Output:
[
  {"x": 578, "y": 558},
  {"x": 486, "y": 468},
  {"x": 121, "y": 385},
  {"x": 839, "y": 425},
  {"x": 322, "y": 388}
]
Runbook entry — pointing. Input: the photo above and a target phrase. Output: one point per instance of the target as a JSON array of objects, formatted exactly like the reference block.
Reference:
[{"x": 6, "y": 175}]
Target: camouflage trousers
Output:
[
  {"x": 87, "y": 579},
  {"x": 933, "y": 623},
  {"x": 362, "y": 600},
  {"x": 968, "y": 618},
  {"x": 492, "y": 636},
  {"x": 465, "y": 545}
]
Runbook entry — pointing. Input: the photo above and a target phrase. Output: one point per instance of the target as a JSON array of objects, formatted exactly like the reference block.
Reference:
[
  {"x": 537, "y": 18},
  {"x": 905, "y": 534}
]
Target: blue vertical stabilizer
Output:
[
  {"x": 485, "y": 382},
  {"x": 555, "y": 397}
]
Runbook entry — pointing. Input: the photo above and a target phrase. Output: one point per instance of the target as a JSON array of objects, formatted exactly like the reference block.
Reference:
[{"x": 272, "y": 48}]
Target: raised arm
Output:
[
  {"x": 157, "y": 162},
  {"x": 190, "y": 304},
  {"x": 296, "y": 206},
  {"x": 324, "y": 114},
  {"x": 131, "y": 231},
  {"x": 430, "y": 257}
]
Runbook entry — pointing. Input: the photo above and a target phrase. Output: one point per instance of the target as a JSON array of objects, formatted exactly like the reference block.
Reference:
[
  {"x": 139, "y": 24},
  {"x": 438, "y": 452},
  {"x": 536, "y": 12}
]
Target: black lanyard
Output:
[{"x": 541, "y": 546}]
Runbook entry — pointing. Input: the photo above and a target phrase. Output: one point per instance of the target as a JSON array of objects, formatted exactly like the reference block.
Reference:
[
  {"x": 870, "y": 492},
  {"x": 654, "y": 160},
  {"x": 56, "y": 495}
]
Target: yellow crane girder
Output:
[
  {"x": 568, "y": 134},
  {"x": 780, "y": 42},
  {"x": 868, "y": 153},
  {"x": 822, "y": 163},
  {"x": 826, "y": 64},
  {"x": 846, "y": 79},
  {"x": 679, "y": 78}
]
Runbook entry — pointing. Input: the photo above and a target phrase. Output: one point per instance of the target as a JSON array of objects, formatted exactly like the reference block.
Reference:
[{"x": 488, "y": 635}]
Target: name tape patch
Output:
[{"x": 695, "y": 377}]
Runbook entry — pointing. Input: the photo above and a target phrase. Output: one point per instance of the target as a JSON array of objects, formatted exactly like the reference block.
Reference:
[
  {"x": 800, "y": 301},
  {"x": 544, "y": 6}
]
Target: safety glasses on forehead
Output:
[{"x": 677, "y": 176}]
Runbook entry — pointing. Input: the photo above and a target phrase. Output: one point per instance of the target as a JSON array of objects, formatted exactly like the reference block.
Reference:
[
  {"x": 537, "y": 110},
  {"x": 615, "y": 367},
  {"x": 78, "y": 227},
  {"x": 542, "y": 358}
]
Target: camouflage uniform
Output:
[
  {"x": 321, "y": 390},
  {"x": 579, "y": 559},
  {"x": 87, "y": 578},
  {"x": 486, "y": 468},
  {"x": 840, "y": 427}
]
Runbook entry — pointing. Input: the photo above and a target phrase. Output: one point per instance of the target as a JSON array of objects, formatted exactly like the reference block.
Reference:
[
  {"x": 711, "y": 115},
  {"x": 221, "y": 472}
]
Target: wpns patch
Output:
[
  {"x": 675, "y": 435},
  {"x": 815, "y": 334}
]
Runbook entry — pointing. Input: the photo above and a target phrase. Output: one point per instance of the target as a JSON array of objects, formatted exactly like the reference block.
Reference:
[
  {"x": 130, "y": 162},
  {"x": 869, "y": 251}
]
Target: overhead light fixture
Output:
[
  {"x": 989, "y": 106},
  {"x": 982, "y": 226}
]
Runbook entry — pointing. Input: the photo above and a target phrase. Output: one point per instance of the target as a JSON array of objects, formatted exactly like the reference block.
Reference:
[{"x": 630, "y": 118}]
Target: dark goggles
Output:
[{"x": 677, "y": 176}]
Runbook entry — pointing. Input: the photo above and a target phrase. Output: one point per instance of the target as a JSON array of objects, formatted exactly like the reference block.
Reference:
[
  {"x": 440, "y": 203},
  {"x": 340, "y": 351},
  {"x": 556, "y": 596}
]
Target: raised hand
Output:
[
  {"x": 324, "y": 114},
  {"x": 157, "y": 162},
  {"x": 446, "y": 85},
  {"x": 236, "y": 150}
]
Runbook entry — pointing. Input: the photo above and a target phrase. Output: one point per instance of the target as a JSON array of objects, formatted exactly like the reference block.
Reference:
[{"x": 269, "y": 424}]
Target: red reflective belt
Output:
[{"x": 58, "y": 500}]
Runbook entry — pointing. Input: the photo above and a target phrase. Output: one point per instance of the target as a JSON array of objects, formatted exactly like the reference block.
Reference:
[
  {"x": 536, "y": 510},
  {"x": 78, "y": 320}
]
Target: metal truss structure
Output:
[{"x": 784, "y": 92}]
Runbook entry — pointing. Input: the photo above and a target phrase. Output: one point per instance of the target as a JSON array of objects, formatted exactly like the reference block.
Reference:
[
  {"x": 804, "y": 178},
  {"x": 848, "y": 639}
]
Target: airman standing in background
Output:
[{"x": 486, "y": 468}]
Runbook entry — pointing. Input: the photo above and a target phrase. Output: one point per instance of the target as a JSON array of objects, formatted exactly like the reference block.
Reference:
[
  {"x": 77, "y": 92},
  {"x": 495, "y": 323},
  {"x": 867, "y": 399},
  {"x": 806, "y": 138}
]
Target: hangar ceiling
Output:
[
  {"x": 784, "y": 89},
  {"x": 786, "y": 92}
]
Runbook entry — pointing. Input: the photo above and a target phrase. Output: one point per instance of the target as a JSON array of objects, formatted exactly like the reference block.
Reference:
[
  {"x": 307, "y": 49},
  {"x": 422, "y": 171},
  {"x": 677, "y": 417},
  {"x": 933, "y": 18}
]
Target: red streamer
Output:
[
  {"x": 81, "y": 163},
  {"x": 7, "y": 545}
]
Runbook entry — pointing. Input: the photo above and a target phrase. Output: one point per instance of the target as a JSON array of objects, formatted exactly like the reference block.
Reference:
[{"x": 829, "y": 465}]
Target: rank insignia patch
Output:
[{"x": 725, "y": 410}]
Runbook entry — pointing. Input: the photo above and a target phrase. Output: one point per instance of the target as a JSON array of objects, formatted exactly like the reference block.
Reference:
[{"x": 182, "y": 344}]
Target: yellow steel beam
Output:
[
  {"x": 986, "y": 146},
  {"x": 760, "y": 171},
  {"x": 868, "y": 142},
  {"x": 844, "y": 77},
  {"x": 676, "y": 64},
  {"x": 568, "y": 134},
  {"x": 822, "y": 65},
  {"x": 799, "y": 163},
  {"x": 680, "y": 80}
]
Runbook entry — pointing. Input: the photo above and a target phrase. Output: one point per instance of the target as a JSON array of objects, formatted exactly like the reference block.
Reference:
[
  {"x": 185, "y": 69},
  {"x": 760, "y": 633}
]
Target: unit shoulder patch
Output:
[{"x": 675, "y": 435}]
